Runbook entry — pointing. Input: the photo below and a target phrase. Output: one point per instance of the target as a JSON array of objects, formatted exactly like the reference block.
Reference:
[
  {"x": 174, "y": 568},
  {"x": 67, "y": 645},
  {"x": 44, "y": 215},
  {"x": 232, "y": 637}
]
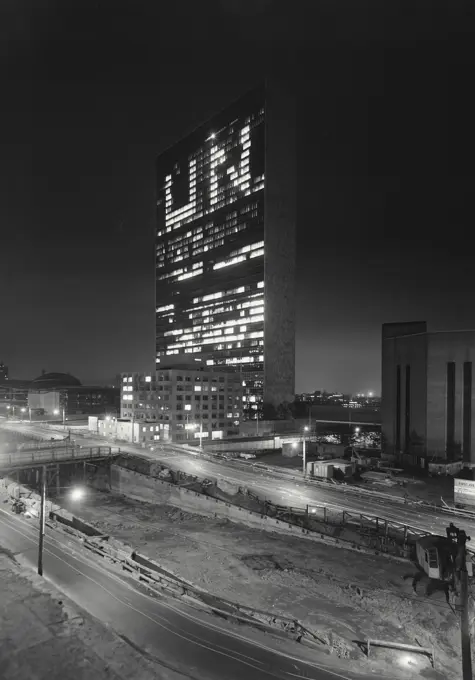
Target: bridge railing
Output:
[{"x": 67, "y": 453}]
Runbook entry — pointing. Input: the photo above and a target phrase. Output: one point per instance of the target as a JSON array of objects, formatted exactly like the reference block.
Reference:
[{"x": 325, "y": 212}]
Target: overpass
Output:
[{"x": 54, "y": 455}]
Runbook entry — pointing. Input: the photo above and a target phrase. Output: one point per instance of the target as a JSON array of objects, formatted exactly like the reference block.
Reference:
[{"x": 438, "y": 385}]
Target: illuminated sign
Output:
[
  {"x": 225, "y": 174},
  {"x": 464, "y": 492}
]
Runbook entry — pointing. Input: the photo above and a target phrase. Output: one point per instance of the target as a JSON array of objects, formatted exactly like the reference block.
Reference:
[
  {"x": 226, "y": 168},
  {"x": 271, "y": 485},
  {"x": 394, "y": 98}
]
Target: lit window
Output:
[
  {"x": 187, "y": 407},
  {"x": 148, "y": 378},
  {"x": 227, "y": 263},
  {"x": 130, "y": 379},
  {"x": 197, "y": 388}
]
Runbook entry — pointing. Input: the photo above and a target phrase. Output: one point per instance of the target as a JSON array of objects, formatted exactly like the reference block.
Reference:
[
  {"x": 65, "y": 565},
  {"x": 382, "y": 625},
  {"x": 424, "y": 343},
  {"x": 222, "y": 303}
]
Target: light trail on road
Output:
[{"x": 294, "y": 493}]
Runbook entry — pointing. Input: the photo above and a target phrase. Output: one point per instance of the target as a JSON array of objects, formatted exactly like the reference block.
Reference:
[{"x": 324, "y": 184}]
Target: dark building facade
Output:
[
  {"x": 427, "y": 393},
  {"x": 3, "y": 372},
  {"x": 57, "y": 391},
  {"x": 225, "y": 247}
]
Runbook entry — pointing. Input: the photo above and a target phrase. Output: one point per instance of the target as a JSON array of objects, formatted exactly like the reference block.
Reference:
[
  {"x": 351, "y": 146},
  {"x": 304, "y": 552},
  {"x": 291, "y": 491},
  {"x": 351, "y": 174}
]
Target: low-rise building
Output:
[
  {"x": 61, "y": 393},
  {"x": 427, "y": 394},
  {"x": 186, "y": 403},
  {"x": 137, "y": 432}
]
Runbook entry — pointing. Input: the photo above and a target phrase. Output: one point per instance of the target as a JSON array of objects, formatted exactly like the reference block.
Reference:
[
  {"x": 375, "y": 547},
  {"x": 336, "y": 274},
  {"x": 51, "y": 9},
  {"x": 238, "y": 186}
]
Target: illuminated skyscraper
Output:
[{"x": 225, "y": 248}]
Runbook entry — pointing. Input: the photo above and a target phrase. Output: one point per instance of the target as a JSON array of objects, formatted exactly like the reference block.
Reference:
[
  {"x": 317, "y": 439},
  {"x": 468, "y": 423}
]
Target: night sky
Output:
[{"x": 92, "y": 92}]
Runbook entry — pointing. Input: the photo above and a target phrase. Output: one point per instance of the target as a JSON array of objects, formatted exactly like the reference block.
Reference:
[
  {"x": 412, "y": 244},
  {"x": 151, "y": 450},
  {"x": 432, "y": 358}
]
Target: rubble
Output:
[{"x": 343, "y": 597}]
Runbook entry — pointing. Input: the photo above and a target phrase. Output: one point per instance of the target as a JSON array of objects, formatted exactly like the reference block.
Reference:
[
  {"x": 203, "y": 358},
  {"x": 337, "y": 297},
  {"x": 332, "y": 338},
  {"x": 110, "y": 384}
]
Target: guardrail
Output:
[
  {"x": 427, "y": 651},
  {"x": 156, "y": 578},
  {"x": 354, "y": 490},
  {"x": 40, "y": 457}
]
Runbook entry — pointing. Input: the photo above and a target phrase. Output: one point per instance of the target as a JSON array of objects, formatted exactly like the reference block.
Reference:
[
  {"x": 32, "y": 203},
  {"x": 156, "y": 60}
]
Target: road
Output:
[
  {"x": 280, "y": 490},
  {"x": 176, "y": 637}
]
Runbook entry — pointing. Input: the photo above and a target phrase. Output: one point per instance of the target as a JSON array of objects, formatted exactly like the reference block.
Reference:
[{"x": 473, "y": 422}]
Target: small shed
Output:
[{"x": 346, "y": 466}]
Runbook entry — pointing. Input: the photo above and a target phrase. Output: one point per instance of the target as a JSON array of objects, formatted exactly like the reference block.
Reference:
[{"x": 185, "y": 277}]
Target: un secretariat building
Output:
[{"x": 225, "y": 246}]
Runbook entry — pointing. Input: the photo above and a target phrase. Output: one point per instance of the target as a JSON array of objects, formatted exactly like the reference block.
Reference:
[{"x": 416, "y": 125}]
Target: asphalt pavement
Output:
[{"x": 198, "y": 646}]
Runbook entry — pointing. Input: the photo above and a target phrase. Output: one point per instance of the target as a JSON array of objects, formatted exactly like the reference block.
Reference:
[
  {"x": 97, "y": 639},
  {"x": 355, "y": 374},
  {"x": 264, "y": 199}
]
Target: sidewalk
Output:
[{"x": 43, "y": 636}]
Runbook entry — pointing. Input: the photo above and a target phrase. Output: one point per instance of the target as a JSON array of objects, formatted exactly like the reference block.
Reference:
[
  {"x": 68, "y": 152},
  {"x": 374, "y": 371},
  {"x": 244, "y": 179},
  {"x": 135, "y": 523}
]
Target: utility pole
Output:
[
  {"x": 461, "y": 538},
  {"x": 304, "y": 450},
  {"x": 42, "y": 521},
  {"x": 465, "y": 625}
]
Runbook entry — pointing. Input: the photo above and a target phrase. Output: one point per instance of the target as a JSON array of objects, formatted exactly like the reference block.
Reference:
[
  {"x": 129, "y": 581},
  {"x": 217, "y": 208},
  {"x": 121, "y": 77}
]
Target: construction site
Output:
[{"x": 346, "y": 578}]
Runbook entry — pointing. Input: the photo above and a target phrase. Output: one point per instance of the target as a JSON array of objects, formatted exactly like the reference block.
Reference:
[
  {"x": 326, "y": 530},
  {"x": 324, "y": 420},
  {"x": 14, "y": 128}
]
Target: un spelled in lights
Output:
[{"x": 210, "y": 247}]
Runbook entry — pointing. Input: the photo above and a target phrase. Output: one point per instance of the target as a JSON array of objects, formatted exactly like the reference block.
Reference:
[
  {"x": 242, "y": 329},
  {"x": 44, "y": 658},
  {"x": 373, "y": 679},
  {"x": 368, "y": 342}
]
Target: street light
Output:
[
  {"x": 24, "y": 410},
  {"x": 193, "y": 426},
  {"x": 304, "y": 441},
  {"x": 76, "y": 494},
  {"x": 201, "y": 434},
  {"x": 57, "y": 411}
]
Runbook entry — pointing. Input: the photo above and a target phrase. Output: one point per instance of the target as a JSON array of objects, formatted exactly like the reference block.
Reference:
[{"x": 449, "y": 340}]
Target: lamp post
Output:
[
  {"x": 76, "y": 494},
  {"x": 200, "y": 433},
  {"x": 22, "y": 410},
  {"x": 193, "y": 426},
  {"x": 42, "y": 521},
  {"x": 57, "y": 411},
  {"x": 357, "y": 430},
  {"x": 304, "y": 452}
]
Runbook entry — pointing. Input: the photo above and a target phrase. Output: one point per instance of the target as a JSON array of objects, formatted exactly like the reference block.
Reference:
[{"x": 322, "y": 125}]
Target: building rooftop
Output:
[{"x": 54, "y": 380}]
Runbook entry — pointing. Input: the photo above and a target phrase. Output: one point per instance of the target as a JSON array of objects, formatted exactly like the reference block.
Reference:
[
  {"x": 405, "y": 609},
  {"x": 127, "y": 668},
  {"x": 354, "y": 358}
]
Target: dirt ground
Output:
[
  {"x": 345, "y": 597},
  {"x": 44, "y": 635}
]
